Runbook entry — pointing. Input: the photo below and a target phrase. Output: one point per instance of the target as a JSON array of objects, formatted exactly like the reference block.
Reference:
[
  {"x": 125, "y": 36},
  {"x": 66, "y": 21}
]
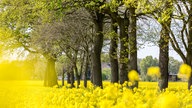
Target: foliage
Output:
[
  {"x": 174, "y": 65},
  {"x": 145, "y": 64},
  {"x": 106, "y": 74},
  {"x": 31, "y": 94},
  {"x": 105, "y": 58},
  {"x": 20, "y": 17}
]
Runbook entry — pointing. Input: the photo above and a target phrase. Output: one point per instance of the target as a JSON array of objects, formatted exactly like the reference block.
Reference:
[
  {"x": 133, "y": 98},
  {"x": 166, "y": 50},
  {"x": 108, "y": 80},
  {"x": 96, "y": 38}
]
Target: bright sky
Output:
[
  {"x": 154, "y": 51},
  {"x": 17, "y": 54}
]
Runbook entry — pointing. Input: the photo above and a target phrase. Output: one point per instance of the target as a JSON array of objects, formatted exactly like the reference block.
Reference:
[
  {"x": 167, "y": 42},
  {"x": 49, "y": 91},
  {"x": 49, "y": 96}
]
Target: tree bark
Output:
[
  {"x": 72, "y": 79},
  {"x": 63, "y": 77},
  {"x": 123, "y": 59},
  {"x": 113, "y": 54},
  {"x": 86, "y": 69},
  {"x": 77, "y": 75},
  {"x": 133, "y": 42},
  {"x": 189, "y": 50},
  {"x": 164, "y": 49},
  {"x": 123, "y": 25},
  {"x": 164, "y": 57},
  {"x": 50, "y": 74},
  {"x": 96, "y": 52},
  {"x": 68, "y": 77}
]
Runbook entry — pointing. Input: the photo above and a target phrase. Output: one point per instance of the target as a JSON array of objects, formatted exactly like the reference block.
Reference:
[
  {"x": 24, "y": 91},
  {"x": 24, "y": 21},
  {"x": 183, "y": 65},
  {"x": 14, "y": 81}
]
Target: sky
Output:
[{"x": 154, "y": 51}]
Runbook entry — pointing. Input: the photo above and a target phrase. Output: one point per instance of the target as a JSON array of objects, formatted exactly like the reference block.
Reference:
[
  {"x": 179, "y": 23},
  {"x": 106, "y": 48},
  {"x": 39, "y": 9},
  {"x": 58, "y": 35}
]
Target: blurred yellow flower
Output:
[
  {"x": 125, "y": 84},
  {"x": 167, "y": 101},
  {"x": 154, "y": 72},
  {"x": 130, "y": 84},
  {"x": 32, "y": 94},
  {"x": 133, "y": 76},
  {"x": 184, "y": 71}
]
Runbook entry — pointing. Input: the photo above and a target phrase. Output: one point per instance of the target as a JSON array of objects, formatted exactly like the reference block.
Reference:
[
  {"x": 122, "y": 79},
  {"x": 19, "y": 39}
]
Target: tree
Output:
[
  {"x": 71, "y": 38},
  {"x": 145, "y": 64},
  {"x": 45, "y": 39},
  {"x": 164, "y": 18},
  {"x": 21, "y": 17},
  {"x": 113, "y": 53},
  {"x": 97, "y": 17},
  {"x": 119, "y": 16},
  {"x": 32, "y": 29},
  {"x": 181, "y": 38},
  {"x": 133, "y": 38},
  {"x": 174, "y": 65},
  {"x": 164, "y": 56},
  {"x": 185, "y": 32},
  {"x": 93, "y": 7}
]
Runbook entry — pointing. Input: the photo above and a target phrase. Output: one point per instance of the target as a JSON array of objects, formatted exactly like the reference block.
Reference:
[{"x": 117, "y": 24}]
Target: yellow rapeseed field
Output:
[{"x": 32, "y": 94}]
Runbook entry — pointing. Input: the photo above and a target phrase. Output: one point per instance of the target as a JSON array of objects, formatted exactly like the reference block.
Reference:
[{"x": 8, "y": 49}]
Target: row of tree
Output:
[{"x": 77, "y": 29}]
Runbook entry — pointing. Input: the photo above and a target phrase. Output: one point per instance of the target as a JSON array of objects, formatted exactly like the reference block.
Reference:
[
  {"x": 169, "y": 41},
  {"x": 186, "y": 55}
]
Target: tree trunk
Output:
[
  {"x": 68, "y": 77},
  {"x": 189, "y": 82},
  {"x": 50, "y": 74},
  {"x": 164, "y": 58},
  {"x": 86, "y": 69},
  {"x": 189, "y": 58},
  {"x": 189, "y": 50},
  {"x": 96, "y": 52},
  {"x": 63, "y": 77},
  {"x": 113, "y": 54},
  {"x": 164, "y": 50},
  {"x": 132, "y": 42},
  {"x": 77, "y": 75},
  {"x": 123, "y": 25},
  {"x": 72, "y": 79}
]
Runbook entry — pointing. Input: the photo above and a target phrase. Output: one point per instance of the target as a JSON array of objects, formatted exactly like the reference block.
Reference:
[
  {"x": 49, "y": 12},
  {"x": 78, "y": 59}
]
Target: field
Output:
[{"x": 32, "y": 94}]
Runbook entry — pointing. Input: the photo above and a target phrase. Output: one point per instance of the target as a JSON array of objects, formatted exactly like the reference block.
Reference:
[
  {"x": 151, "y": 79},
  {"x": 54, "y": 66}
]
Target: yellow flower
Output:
[
  {"x": 154, "y": 72},
  {"x": 133, "y": 76},
  {"x": 167, "y": 101},
  {"x": 130, "y": 84},
  {"x": 125, "y": 84},
  {"x": 184, "y": 71}
]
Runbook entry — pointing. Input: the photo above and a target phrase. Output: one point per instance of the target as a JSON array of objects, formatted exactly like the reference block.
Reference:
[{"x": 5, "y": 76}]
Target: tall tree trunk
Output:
[
  {"x": 189, "y": 50},
  {"x": 77, "y": 75},
  {"x": 113, "y": 54},
  {"x": 132, "y": 42},
  {"x": 68, "y": 77},
  {"x": 123, "y": 59},
  {"x": 123, "y": 65},
  {"x": 63, "y": 76},
  {"x": 164, "y": 50},
  {"x": 50, "y": 74},
  {"x": 86, "y": 69},
  {"x": 90, "y": 68},
  {"x": 164, "y": 55},
  {"x": 96, "y": 52},
  {"x": 164, "y": 58},
  {"x": 72, "y": 78}
]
